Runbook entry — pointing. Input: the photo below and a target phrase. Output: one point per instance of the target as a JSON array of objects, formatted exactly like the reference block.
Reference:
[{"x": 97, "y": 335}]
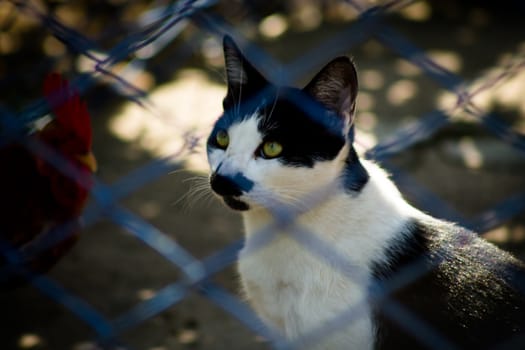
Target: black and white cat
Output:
[{"x": 410, "y": 280}]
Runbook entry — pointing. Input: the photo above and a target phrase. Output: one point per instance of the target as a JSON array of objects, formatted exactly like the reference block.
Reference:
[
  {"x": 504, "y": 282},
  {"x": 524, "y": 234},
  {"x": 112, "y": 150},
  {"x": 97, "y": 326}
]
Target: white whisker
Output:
[
  {"x": 274, "y": 103},
  {"x": 199, "y": 191}
]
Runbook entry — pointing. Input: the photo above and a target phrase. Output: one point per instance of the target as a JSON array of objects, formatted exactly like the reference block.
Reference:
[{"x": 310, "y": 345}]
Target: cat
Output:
[{"x": 372, "y": 270}]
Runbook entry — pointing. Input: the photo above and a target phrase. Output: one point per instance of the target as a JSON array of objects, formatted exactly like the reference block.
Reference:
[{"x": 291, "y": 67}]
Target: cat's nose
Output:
[{"x": 224, "y": 186}]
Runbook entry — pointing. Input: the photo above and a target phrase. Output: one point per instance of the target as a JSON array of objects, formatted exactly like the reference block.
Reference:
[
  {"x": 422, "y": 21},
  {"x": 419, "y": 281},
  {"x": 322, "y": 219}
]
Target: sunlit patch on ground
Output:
[
  {"x": 470, "y": 153},
  {"x": 30, "y": 341},
  {"x": 401, "y": 92},
  {"x": 273, "y": 26},
  {"x": 418, "y": 12},
  {"x": 145, "y": 294},
  {"x": 407, "y": 68},
  {"x": 371, "y": 79},
  {"x": 505, "y": 235},
  {"x": 190, "y": 104}
]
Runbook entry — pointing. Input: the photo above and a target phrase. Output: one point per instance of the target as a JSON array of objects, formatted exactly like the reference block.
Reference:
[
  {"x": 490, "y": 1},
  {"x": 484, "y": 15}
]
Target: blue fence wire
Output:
[{"x": 156, "y": 29}]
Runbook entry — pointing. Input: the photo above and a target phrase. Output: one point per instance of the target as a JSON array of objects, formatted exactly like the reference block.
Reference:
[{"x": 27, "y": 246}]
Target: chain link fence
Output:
[{"x": 163, "y": 37}]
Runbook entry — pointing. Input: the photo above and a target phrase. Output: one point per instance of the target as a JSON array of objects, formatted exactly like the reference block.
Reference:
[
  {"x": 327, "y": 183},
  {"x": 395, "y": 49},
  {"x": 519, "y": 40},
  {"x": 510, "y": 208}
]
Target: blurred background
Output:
[{"x": 147, "y": 103}]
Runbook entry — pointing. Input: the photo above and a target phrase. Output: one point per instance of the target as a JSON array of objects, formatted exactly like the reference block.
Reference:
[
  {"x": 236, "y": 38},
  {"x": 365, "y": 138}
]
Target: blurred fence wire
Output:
[{"x": 160, "y": 26}]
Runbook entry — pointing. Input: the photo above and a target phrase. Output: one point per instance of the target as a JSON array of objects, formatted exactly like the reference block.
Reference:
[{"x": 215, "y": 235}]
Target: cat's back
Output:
[{"x": 457, "y": 288}]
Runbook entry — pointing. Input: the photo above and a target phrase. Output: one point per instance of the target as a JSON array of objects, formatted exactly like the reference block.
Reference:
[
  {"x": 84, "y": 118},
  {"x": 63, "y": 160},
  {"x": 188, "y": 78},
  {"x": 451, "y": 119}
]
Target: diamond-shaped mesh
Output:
[{"x": 370, "y": 29}]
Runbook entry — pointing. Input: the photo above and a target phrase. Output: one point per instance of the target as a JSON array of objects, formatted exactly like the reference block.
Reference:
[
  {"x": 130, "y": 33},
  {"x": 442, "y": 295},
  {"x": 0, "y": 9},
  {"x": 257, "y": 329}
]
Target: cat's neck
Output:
[{"x": 361, "y": 223}]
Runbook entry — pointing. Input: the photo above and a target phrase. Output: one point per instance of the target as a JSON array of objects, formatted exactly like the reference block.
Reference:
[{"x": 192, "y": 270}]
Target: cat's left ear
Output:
[{"x": 335, "y": 86}]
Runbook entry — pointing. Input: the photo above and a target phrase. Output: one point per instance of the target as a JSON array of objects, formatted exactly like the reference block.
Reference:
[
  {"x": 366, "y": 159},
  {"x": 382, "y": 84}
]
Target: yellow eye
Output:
[
  {"x": 222, "y": 138},
  {"x": 271, "y": 149}
]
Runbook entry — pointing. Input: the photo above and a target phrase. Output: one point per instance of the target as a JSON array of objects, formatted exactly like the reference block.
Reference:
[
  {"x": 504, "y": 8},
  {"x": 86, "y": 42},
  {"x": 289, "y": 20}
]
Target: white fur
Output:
[
  {"x": 290, "y": 286},
  {"x": 238, "y": 157}
]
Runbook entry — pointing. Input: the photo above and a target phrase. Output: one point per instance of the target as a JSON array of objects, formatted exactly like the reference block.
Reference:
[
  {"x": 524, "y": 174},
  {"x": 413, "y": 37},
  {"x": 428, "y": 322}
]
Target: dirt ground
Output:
[{"x": 113, "y": 271}]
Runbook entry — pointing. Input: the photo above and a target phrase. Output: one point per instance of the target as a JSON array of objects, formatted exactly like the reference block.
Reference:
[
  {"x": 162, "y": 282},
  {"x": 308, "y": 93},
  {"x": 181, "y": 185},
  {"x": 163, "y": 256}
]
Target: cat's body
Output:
[
  {"x": 356, "y": 259},
  {"x": 297, "y": 288}
]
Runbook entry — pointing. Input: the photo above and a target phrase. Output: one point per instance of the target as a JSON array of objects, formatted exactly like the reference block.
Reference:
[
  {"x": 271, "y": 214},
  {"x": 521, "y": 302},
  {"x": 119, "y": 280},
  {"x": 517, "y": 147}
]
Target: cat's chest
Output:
[
  {"x": 295, "y": 292},
  {"x": 274, "y": 279}
]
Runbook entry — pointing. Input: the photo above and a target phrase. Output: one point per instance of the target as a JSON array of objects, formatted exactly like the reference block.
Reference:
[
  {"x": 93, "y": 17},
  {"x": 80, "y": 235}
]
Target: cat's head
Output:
[{"x": 276, "y": 143}]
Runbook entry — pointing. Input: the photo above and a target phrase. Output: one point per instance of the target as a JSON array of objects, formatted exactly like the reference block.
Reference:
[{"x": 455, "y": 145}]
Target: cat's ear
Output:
[
  {"x": 335, "y": 86},
  {"x": 241, "y": 76}
]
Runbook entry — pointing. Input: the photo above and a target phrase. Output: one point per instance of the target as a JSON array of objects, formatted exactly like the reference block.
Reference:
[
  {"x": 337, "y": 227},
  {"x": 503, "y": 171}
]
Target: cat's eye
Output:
[
  {"x": 271, "y": 149},
  {"x": 222, "y": 139}
]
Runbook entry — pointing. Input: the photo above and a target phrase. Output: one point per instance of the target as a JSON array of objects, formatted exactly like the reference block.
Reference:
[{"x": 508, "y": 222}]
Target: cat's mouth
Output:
[{"x": 235, "y": 203}]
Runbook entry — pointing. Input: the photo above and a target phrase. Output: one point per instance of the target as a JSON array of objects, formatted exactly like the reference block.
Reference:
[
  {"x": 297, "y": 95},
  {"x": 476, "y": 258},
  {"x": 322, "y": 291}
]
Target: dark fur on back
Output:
[{"x": 466, "y": 290}]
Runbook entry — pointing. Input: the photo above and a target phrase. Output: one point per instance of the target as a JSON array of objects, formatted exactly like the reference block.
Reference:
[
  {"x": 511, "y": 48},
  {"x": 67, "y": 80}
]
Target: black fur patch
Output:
[
  {"x": 355, "y": 176},
  {"x": 465, "y": 290},
  {"x": 305, "y": 138}
]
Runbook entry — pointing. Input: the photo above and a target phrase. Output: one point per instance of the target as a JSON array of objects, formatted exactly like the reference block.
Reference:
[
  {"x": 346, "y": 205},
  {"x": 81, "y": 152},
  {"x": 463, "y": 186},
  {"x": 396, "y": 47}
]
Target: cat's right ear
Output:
[
  {"x": 242, "y": 78},
  {"x": 335, "y": 86}
]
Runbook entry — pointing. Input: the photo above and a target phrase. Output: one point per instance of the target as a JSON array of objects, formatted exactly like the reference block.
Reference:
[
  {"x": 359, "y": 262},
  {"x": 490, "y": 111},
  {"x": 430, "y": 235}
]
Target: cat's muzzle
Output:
[{"x": 229, "y": 190}]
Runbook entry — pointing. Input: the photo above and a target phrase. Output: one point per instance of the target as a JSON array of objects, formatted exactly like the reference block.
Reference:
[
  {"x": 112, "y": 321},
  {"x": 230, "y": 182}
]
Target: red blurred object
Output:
[{"x": 39, "y": 198}]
